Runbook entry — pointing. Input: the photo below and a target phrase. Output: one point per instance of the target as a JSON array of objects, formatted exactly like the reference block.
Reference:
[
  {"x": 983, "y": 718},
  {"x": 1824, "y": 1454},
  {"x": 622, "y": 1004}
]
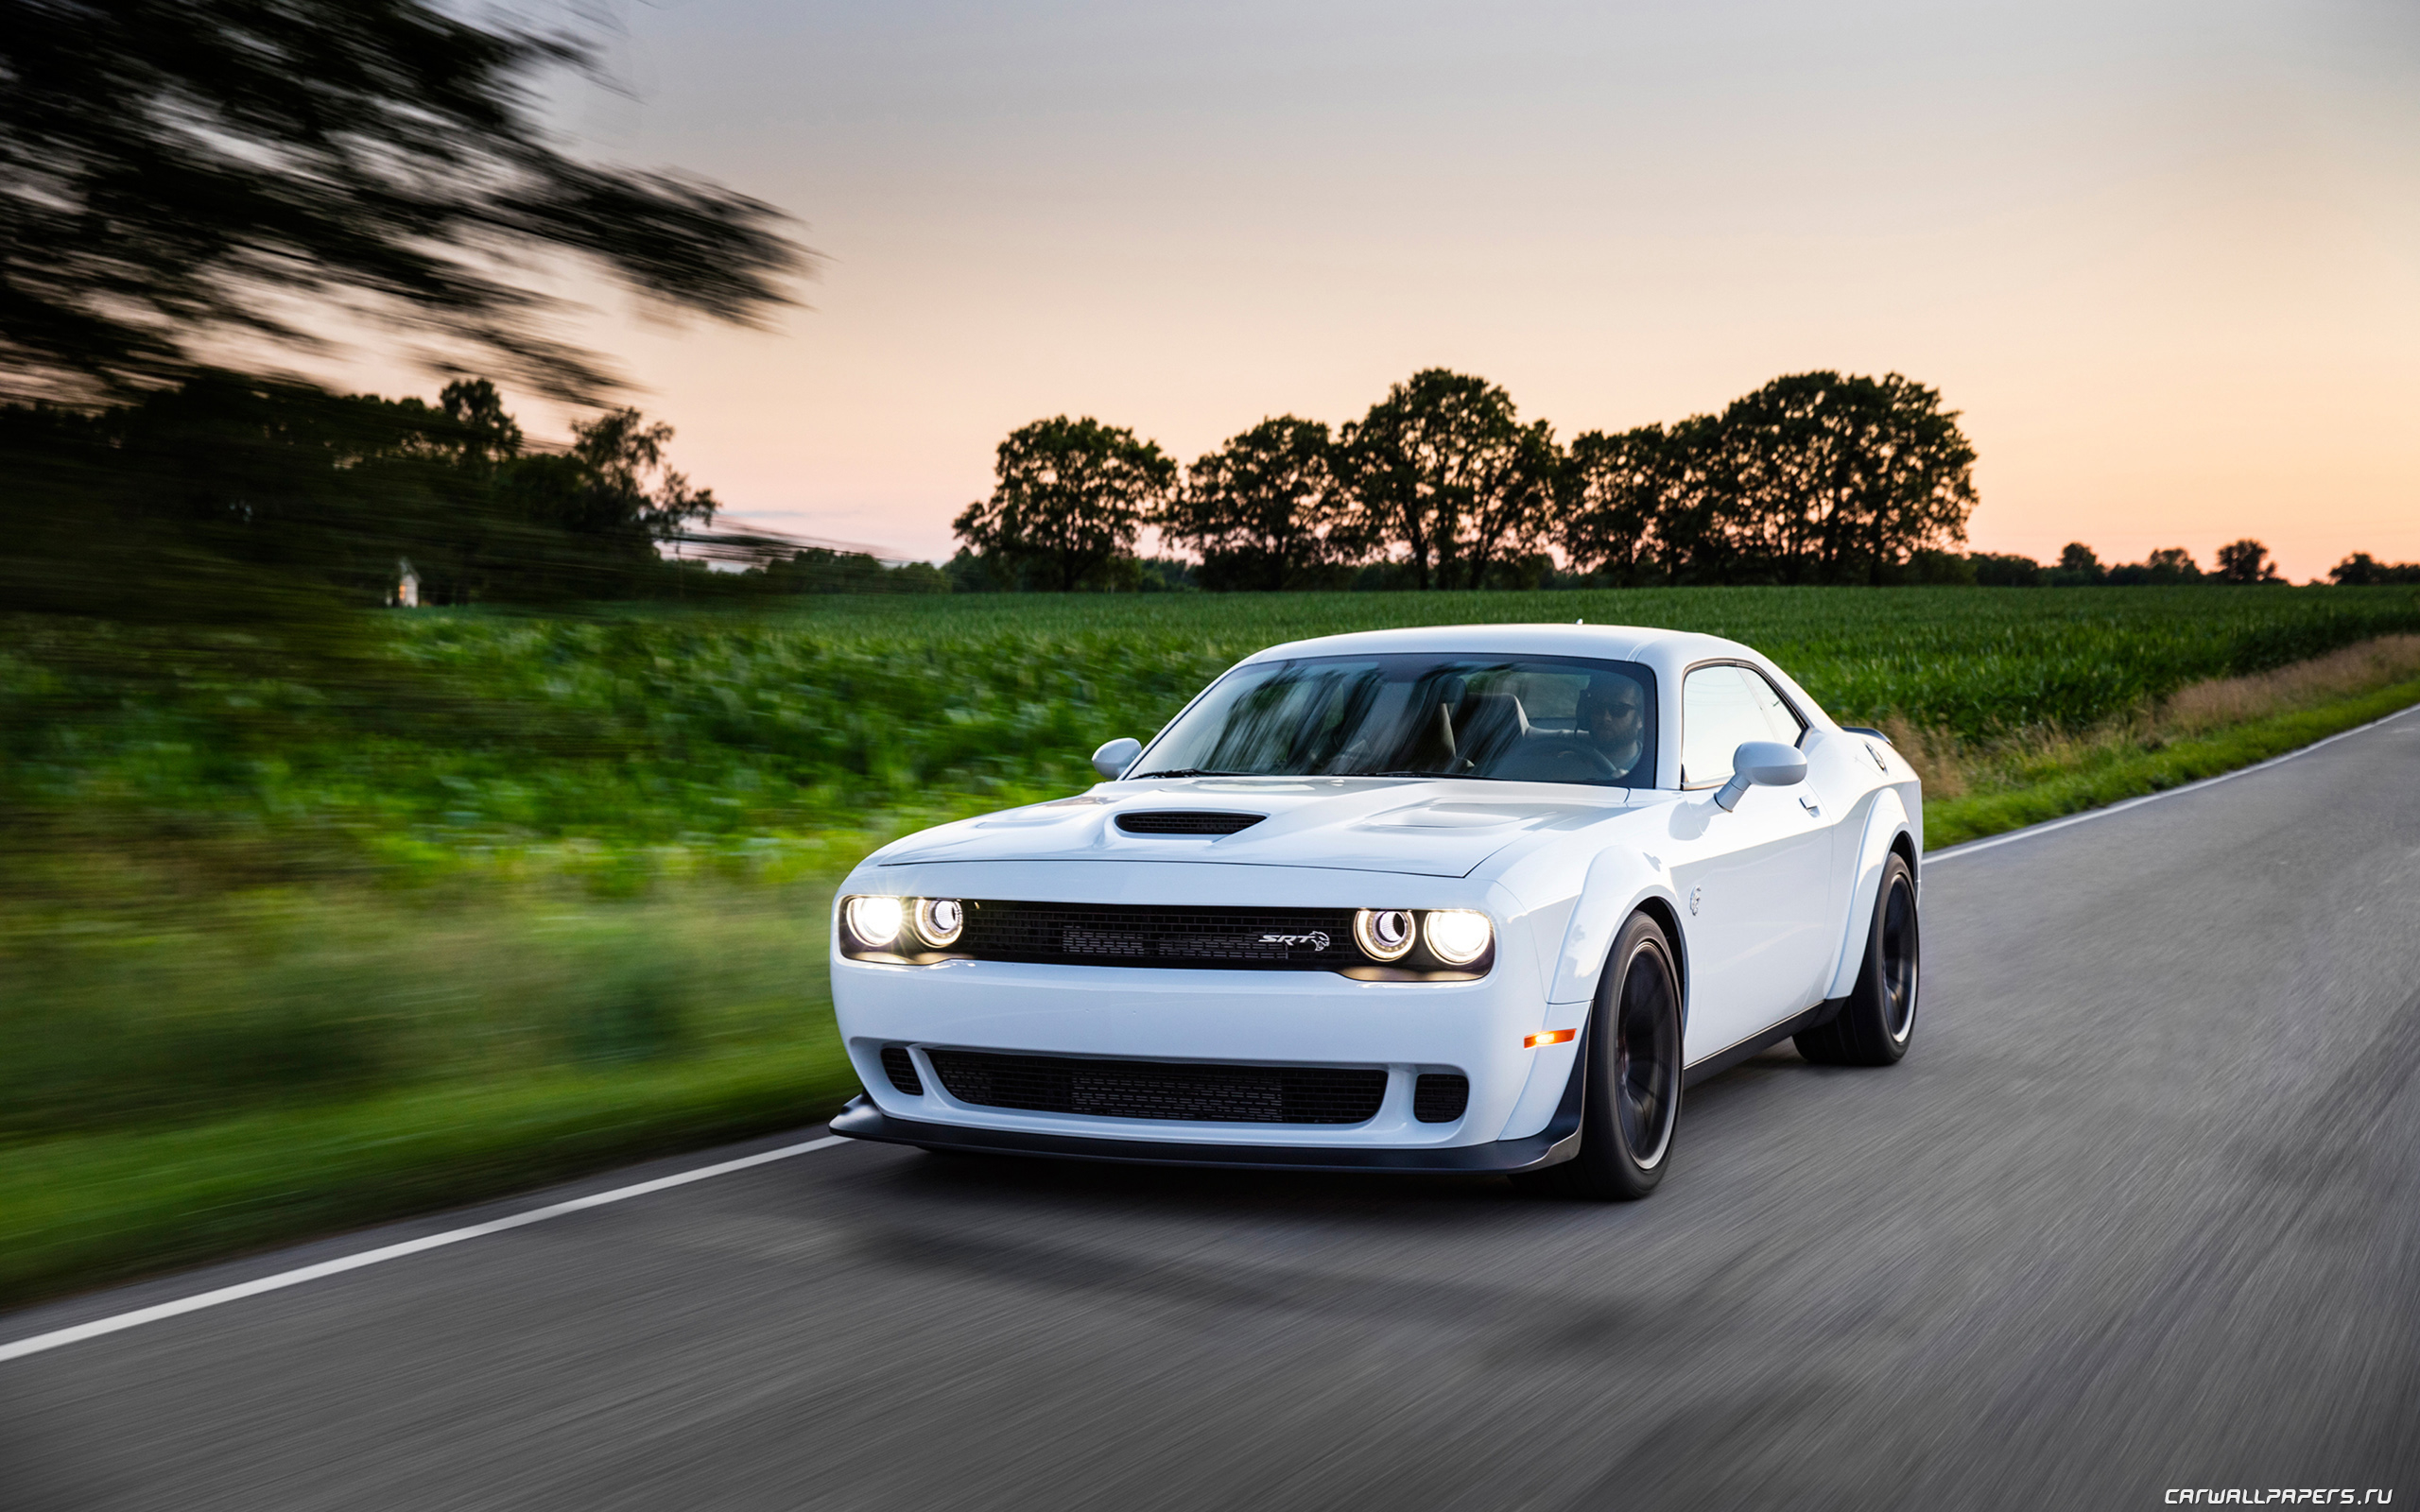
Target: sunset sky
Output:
[{"x": 2163, "y": 255}]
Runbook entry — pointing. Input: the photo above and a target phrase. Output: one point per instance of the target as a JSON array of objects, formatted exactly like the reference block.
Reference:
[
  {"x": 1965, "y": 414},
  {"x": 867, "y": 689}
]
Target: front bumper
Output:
[
  {"x": 1556, "y": 1143},
  {"x": 1474, "y": 1029},
  {"x": 1477, "y": 1028}
]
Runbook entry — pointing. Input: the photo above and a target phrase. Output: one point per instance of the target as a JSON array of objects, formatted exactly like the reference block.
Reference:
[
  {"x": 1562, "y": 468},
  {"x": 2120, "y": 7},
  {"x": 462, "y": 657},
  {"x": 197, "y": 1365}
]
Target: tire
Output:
[
  {"x": 1878, "y": 1017},
  {"x": 1631, "y": 1095}
]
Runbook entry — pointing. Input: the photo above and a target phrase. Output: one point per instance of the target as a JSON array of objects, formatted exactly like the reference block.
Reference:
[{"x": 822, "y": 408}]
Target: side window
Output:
[
  {"x": 1721, "y": 709},
  {"x": 1784, "y": 724},
  {"x": 1718, "y": 714}
]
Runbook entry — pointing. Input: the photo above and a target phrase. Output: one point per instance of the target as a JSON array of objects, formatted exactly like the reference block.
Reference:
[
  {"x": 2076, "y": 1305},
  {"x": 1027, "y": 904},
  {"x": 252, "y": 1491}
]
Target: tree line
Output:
[
  {"x": 1814, "y": 478},
  {"x": 2245, "y": 561},
  {"x": 219, "y": 490}
]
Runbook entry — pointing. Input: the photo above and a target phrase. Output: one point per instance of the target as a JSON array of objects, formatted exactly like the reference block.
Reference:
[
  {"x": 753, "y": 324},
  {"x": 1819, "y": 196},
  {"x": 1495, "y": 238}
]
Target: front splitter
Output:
[{"x": 1550, "y": 1145}]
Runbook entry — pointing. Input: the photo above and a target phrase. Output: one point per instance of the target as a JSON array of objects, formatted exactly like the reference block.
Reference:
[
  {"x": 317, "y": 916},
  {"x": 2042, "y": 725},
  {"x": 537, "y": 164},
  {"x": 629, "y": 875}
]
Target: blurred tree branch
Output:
[{"x": 175, "y": 174}]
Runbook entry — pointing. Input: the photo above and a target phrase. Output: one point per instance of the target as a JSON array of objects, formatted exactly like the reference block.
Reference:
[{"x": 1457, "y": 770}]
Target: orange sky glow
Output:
[{"x": 2164, "y": 257}]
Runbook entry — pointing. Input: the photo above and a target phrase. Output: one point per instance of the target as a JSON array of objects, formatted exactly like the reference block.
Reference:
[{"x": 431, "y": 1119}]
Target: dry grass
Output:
[
  {"x": 1933, "y": 753},
  {"x": 2355, "y": 669},
  {"x": 1953, "y": 769}
]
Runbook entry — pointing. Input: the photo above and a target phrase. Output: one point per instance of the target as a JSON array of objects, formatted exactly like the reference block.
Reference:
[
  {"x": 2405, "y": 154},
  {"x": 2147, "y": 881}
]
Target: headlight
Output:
[
  {"x": 1457, "y": 935},
  {"x": 939, "y": 920},
  {"x": 875, "y": 920},
  {"x": 1383, "y": 934}
]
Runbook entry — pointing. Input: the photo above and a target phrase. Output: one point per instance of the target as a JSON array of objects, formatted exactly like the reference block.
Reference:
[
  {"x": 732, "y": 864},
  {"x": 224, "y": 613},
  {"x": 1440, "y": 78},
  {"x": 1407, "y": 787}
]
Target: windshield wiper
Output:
[{"x": 1193, "y": 771}]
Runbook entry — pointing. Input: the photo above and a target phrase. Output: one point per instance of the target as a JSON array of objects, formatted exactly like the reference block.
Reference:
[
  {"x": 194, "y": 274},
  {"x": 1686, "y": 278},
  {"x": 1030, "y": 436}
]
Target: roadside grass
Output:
[
  {"x": 85, "y": 1209},
  {"x": 190, "y": 1077},
  {"x": 2202, "y": 729}
]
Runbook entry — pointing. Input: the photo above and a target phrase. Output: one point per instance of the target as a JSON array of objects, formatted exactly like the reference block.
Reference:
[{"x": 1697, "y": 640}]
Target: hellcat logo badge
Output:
[{"x": 1315, "y": 940}]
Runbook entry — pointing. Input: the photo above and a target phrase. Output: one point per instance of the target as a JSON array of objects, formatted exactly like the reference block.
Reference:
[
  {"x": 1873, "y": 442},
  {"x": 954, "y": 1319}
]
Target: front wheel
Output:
[
  {"x": 1631, "y": 1097},
  {"x": 1879, "y": 1018}
]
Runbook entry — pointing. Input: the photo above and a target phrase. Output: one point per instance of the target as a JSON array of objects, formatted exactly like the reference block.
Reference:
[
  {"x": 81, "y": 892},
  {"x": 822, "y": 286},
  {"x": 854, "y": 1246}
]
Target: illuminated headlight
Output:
[
  {"x": 1457, "y": 935},
  {"x": 875, "y": 920},
  {"x": 939, "y": 920},
  {"x": 1383, "y": 934}
]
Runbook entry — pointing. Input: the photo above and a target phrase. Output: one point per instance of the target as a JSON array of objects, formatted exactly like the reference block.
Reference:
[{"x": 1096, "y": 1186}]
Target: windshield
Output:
[{"x": 1528, "y": 720}]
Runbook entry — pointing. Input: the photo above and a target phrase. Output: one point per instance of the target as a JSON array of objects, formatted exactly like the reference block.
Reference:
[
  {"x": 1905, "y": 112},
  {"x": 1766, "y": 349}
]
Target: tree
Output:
[
  {"x": 1263, "y": 510},
  {"x": 1647, "y": 505},
  {"x": 2246, "y": 561},
  {"x": 1070, "y": 497},
  {"x": 2362, "y": 569},
  {"x": 177, "y": 173},
  {"x": 1443, "y": 468},
  {"x": 2002, "y": 570},
  {"x": 1844, "y": 479},
  {"x": 2079, "y": 566},
  {"x": 2169, "y": 564},
  {"x": 631, "y": 492}
]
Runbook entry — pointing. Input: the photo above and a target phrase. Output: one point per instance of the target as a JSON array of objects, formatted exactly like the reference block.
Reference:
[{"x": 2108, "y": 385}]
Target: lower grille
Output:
[
  {"x": 902, "y": 1070},
  {"x": 1440, "y": 1097},
  {"x": 1148, "y": 1088}
]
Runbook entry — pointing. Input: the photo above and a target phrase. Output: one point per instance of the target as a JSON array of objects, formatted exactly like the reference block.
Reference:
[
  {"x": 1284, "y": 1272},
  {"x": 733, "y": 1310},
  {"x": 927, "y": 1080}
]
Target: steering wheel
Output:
[{"x": 1557, "y": 759}]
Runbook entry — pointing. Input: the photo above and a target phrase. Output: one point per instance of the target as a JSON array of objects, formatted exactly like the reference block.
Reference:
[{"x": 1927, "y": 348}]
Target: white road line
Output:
[
  {"x": 94, "y": 1330},
  {"x": 1971, "y": 847}
]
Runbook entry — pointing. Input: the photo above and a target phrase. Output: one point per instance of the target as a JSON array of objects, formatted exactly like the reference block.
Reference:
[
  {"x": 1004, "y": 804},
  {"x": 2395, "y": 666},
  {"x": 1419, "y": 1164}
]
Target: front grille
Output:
[
  {"x": 1440, "y": 1096},
  {"x": 1301, "y": 939},
  {"x": 1188, "y": 821},
  {"x": 902, "y": 1070},
  {"x": 1150, "y": 1089}
]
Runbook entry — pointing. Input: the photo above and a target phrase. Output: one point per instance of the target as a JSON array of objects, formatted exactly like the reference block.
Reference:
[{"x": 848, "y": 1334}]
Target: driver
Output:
[{"x": 1612, "y": 713}]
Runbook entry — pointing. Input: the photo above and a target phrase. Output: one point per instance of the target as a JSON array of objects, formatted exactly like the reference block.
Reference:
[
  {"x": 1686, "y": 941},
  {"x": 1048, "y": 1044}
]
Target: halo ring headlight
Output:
[
  {"x": 876, "y": 920},
  {"x": 1456, "y": 936},
  {"x": 939, "y": 922},
  {"x": 1384, "y": 933}
]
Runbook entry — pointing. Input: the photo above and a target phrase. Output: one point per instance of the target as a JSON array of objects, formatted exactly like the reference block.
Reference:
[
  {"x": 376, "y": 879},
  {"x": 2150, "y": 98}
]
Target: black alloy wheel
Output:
[
  {"x": 1878, "y": 1017},
  {"x": 1631, "y": 1104},
  {"x": 1647, "y": 1059}
]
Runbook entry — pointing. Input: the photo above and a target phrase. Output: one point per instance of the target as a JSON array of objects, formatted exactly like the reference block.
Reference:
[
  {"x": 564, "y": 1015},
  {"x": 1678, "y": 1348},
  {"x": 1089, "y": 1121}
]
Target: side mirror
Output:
[
  {"x": 1758, "y": 764},
  {"x": 1112, "y": 759}
]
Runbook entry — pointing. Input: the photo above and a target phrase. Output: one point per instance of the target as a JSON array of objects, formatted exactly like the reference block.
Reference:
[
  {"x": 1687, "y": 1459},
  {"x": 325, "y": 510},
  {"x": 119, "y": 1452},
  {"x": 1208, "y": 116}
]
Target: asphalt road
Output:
[{"x": 2139, "y": 1212}]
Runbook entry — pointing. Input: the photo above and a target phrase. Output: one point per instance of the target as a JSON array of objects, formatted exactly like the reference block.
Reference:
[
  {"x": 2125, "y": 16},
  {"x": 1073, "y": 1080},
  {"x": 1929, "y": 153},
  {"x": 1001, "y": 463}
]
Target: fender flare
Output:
[
  {"x": 1619, "y": 883},
  {"x": 1884, "y": 824},
  {"x": 1560, "y": 1128}
]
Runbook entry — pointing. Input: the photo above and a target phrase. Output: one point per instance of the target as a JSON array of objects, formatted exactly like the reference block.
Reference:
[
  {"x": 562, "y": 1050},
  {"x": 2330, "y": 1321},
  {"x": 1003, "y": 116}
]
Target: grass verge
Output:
[
  {"x": 2205, "y": 729},
  {"x": 85, "y": 1209}
]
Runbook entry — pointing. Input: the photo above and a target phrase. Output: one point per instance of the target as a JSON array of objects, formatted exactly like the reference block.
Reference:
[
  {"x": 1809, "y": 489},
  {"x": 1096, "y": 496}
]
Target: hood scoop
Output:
[{"x": 1186, "y": 821}]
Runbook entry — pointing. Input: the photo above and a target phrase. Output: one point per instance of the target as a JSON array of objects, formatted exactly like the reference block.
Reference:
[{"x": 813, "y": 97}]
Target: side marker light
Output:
[{"x": 1551, "y": 1037}]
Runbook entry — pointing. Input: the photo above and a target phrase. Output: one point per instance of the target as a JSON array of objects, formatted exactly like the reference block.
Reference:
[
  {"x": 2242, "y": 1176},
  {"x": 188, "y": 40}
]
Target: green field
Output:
[
  {"x": 291, "y": 939},
  {"x": 623, "y": 741}
]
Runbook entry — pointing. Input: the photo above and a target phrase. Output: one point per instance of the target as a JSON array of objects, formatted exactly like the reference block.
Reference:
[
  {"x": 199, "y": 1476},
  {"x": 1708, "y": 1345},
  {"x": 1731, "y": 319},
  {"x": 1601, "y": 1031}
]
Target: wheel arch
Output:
[
  {"x": 1888, "y": 832},
  {"x": 1621, "y": 883},
  {"x": 1667, "y": 918}
]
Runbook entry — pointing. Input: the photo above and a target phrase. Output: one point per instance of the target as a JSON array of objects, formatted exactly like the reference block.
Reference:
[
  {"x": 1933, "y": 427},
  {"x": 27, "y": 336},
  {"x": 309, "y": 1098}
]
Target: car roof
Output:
[{"x": 1665, "y": 651}]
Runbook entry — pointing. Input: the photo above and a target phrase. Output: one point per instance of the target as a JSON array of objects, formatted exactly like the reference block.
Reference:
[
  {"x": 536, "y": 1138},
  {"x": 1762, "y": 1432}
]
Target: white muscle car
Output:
[{"x": 1478, "y": 898}]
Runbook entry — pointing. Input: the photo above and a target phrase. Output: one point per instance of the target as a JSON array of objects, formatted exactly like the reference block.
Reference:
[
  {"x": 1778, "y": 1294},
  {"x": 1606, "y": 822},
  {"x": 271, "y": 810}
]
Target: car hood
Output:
[{"x": 1419, "y": 826}]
